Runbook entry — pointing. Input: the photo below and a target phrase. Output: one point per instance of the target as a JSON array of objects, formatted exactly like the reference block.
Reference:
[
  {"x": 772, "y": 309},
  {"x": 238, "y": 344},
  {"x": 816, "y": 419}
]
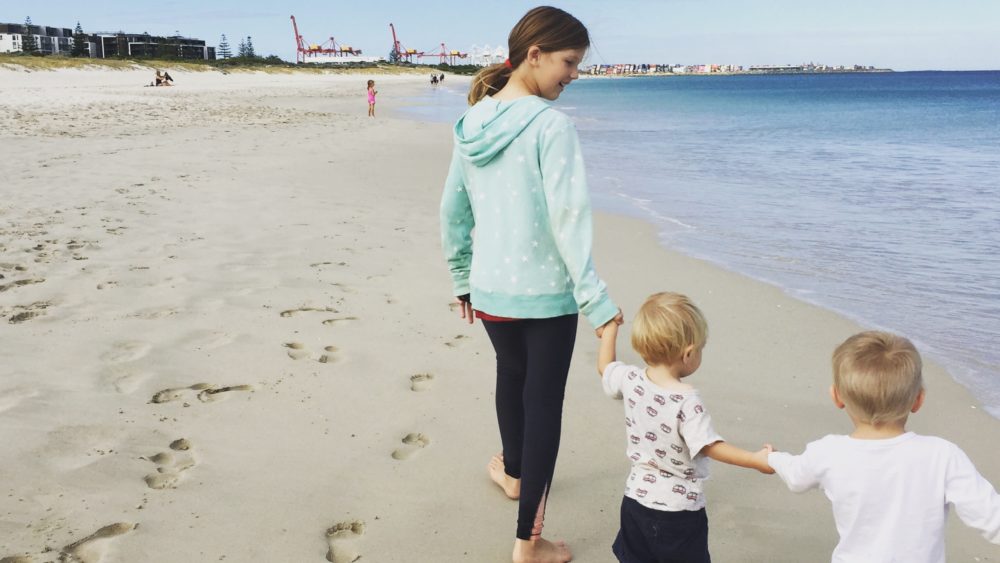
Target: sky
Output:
[{"x": 897, "y": 34}]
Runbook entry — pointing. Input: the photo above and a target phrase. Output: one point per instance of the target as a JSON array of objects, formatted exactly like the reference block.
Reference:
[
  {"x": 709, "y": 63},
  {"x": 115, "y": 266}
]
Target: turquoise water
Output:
[{"x": 876, "y": 195}]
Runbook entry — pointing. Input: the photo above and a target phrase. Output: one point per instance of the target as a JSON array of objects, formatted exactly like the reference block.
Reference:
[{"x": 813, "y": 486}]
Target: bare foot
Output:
[
  {"x": 511, "y": 486},
  {"x": 541, "y": 551}
]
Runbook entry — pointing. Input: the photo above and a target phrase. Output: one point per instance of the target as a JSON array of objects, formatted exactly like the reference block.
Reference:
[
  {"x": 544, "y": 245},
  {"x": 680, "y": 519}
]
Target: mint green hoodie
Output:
[{"x": 517, "y": 178}]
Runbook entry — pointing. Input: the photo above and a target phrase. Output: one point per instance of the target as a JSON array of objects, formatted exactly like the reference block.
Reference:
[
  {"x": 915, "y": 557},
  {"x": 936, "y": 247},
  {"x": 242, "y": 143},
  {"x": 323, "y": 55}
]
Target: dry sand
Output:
[{"x": 226, "y": 336}]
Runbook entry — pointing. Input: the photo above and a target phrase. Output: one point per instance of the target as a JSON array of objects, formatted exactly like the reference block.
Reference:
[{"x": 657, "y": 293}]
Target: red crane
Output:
[
  {"x": 447, "y": 56},
  {"x": 303, "y": 49},
  {"x": 402, "y": 53}
]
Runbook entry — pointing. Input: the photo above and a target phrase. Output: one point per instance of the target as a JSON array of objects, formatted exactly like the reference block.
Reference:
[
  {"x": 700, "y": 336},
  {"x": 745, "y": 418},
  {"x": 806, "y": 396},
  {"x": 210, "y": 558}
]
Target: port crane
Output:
[
  {"x": 331, "y": 47},
  {"x": 397, "y": 47},
  {"x": 447, "y": 56}
]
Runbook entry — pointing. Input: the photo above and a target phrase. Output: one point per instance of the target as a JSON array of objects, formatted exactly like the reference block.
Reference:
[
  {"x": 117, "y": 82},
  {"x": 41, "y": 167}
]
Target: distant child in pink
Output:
[{"x": 371, "y": 98}]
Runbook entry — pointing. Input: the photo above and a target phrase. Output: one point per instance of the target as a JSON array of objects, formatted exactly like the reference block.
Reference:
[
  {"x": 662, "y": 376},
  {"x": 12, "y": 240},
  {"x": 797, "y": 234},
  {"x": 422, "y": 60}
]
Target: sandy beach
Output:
[{"x": 226, "y": 335}]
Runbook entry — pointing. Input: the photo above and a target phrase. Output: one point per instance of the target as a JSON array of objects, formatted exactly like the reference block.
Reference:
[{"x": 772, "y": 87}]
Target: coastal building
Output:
[
  {"x": 50, "y": 40},
  {"x": 59, "y": 41},
  {"x": 143, "y": 45}
]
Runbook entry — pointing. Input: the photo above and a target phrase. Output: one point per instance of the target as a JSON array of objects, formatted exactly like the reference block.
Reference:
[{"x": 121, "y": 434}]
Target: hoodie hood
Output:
[{"x": 486, "y": 128}]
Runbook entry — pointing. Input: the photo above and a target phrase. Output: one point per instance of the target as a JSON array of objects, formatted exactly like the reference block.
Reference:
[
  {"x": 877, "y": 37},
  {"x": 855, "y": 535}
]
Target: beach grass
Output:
[{"x": 51, "y": 63}]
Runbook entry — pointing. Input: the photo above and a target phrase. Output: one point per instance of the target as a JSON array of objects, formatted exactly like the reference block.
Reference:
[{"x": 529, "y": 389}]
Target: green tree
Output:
[
  {"x": 28, "y": 44},
  {"x": 224, "y": 52},
  {"x": 250, "y": 52},
  {"x": 80, "y": 41},
  {"x": 242, "y": 52}
]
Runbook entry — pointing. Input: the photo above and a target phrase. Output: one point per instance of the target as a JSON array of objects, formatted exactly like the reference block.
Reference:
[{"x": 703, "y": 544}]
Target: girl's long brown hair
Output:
[{"x": 551, "y": 29}]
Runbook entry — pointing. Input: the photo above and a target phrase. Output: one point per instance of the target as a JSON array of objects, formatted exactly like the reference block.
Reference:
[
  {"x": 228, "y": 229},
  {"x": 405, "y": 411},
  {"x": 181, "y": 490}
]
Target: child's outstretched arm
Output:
[
  {"x": 606, "y": 354},
  {"x": 726, "y": 453}
]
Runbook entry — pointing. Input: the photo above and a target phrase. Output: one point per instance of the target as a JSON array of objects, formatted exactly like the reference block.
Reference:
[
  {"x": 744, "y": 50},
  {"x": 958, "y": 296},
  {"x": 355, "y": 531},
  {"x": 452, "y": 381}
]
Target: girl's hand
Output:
[
  {"x": 618, "y": 320},
  {"x": 465, "y": 308}
]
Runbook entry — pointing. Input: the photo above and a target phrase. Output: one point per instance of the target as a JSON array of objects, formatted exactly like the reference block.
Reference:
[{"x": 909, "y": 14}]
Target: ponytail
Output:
[
  {"x": 489, "y": 81},
  {"x": 548, "y": 28}
]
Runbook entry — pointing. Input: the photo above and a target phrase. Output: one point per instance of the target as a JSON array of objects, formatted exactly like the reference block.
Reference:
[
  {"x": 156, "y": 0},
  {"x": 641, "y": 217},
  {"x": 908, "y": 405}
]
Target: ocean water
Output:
[{"x": 875, "y": 195}]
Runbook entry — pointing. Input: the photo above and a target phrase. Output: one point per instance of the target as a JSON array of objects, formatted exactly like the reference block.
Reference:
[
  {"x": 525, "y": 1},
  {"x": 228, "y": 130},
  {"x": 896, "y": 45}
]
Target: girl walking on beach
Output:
[
  {"x": 517, "y": 178},
  {"x": 371, "y": 98}
]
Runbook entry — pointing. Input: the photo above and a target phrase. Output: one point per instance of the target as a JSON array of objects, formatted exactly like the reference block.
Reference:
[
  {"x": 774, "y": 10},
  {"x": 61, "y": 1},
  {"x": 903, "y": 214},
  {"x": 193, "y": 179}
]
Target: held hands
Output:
[
  {"x": 760, "y": 459},
  {"x": 617, "y": 321}
]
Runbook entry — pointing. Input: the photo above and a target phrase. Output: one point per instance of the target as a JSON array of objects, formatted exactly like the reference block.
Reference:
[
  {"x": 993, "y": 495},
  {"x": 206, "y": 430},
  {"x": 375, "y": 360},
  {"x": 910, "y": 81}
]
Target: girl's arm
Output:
[
  {"x": 457, "y": 223},
  {"x": 726, "y": 453},
  {"x": 568, "y": 204}
]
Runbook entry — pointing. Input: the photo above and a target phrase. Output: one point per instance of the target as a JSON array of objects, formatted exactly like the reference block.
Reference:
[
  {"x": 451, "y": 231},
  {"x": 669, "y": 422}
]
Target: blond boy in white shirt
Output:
[{"x": 890, "y": 488}]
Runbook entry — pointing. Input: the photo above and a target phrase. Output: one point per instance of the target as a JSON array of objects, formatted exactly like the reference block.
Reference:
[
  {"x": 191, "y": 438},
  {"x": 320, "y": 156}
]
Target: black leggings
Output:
[{"x": 533, "y": 357}]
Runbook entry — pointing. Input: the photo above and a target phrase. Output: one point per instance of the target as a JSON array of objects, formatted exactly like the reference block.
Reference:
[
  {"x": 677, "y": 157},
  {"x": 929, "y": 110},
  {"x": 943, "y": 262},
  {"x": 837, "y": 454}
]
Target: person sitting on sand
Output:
[
  {"x": 163, "y": 79},
  {"x": 890, "y": 488},
  {"x": 670, "y": 434}
]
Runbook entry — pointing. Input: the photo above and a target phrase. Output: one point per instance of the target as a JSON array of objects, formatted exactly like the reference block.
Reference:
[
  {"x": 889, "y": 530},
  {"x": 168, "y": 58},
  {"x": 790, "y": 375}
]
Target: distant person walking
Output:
[
  {"x": 528, "y": 272},
  {"x": 371, "y": 98}
]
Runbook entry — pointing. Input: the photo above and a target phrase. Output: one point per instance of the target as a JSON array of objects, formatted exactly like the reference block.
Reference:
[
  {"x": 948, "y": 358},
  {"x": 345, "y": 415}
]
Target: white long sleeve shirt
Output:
[{"x": 890, "y": 497}]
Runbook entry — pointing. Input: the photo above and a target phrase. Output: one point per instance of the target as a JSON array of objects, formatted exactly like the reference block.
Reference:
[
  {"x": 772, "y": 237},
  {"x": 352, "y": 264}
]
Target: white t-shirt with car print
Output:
[{"x": 665, "y": 431}]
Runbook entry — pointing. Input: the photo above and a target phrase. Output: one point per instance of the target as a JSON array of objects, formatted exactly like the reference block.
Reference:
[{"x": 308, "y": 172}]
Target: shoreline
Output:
[
  {"x": 963, "y": 374},
  {"x": 257, "y": 272}
]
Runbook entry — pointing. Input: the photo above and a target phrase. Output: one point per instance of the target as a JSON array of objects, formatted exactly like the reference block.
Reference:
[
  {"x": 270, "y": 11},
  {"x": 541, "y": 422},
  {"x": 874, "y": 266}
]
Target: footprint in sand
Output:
[
  {"x": 213, "y": 394},
  {"x": 293, "y": 312},
  {"x": 170, "y": 465},
  {"x": 126, "y": 351},
  {"x": 344, "y": 538},
  {"x": 454, "y": 342},
  {"x": 92, "y": 548},
  {"x": 154, "y": 313},
  {"x": 26, "y": 312},
  {"x": 298, "y": 351},
  {"x": 339, "y": 320},
  {"x": 19, "y": 283},
  {"x": 421, "y": 381},
  {"x": 412, "y": 443},
  {"x": 124, "y": 378},
  {"x": 207, "y": 393}
]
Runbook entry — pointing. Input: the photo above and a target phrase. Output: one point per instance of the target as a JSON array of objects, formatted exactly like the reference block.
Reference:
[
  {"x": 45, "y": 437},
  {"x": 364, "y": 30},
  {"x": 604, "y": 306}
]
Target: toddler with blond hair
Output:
[{"x": 669, "y": 431}]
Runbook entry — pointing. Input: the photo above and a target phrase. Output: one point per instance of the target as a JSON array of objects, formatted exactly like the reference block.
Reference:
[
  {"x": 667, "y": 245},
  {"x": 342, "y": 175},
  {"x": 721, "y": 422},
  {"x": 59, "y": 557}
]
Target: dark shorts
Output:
[{"x": 658, "y": 536}]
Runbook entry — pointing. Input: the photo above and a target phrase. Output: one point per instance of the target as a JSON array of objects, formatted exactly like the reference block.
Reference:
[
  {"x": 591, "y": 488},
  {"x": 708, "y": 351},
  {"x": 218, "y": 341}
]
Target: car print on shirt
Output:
[
  {"x": 689, "y": 471},
  {"x": 666, "y": 428},
  {"x": 641, "y": 493},
  {"x": 635, "y": 456},
  {"x": 628, "y": 422},
  {"x": 658, "y": 399},
  {"x": 679, "y": 489},
  {"x": 633, "y": 438},
  {"x": 631, "y": 375},
  {"x": 677, "y": 398},
  {"x": 677, "y": 448},
  {"x": 692, "y": 496},
  {"x": 631, "y": 403},
  {"x": 638, "y": 390},
  {"x": 698, "y": 409},
  {"x": 661, "y": 453},
  {"x": 675, "y": 462},
  {"x": 651, "y": 411},
  {"x": 680, "y": 416},
  {"x": 649, "y": 478},
  {"x": 666, "y": 474},
  {"x": 651, "y": 436}
]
